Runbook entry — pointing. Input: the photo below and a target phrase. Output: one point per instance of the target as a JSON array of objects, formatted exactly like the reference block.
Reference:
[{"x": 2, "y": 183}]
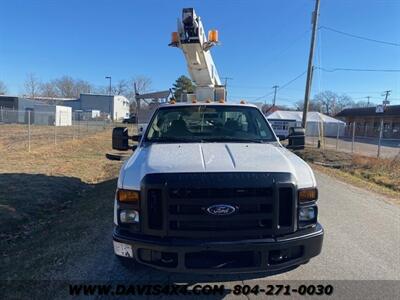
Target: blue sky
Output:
[{"x": 263, "y": 43}]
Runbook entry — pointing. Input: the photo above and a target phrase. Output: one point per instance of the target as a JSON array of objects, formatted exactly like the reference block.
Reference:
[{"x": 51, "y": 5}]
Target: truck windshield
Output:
[{"x": 204, "y": 123}]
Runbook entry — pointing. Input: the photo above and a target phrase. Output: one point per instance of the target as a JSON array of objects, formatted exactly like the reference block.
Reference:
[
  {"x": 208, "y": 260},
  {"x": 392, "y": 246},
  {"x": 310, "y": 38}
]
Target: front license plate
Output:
[{"x": 122, "y": 249}]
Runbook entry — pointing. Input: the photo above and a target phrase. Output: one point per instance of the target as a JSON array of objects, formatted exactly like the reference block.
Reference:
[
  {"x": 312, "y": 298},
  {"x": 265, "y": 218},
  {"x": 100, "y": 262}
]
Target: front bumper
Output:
[{"x": 243, "y": 256}]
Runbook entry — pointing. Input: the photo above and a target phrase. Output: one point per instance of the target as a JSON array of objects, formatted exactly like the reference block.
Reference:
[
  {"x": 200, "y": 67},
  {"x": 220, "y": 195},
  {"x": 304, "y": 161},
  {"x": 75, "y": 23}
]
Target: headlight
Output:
[
  {"x": 309, "y": 194},
  {"x": 307, "y": 216},
  {"x": 129, "y": 216},
  {"x": 307, "y": 213}
]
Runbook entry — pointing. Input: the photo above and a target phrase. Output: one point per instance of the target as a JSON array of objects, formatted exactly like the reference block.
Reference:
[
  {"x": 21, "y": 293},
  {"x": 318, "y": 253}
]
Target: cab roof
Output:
[{"x": 207, "y": 104}]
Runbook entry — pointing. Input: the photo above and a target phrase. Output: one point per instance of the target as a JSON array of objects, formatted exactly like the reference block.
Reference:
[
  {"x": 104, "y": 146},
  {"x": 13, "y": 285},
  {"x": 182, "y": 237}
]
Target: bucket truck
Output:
[{"x": 209, "y": 188}]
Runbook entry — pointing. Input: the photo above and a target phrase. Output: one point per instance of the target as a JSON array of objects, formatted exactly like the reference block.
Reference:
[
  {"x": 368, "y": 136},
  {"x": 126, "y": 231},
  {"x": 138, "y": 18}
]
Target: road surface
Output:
[{"x": 362, "y": 242}]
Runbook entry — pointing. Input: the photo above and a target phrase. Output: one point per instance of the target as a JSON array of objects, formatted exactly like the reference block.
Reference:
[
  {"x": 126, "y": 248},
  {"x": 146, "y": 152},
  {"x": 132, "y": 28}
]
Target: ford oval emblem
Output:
[{"x": 221, "y": 210}]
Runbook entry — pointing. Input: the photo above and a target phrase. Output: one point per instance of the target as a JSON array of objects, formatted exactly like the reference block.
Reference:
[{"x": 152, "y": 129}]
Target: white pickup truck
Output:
[{"x": 209, "y": 188}]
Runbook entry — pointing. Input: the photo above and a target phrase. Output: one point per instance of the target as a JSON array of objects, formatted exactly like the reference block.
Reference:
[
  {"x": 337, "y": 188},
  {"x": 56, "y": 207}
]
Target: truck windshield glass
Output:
[{"x": 203, "y": 123}]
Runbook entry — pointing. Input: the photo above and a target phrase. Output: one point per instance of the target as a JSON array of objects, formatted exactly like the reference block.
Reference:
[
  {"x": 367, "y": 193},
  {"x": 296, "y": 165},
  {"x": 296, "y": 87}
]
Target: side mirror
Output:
[
  {"x": 136, "y": 137},
  {"x": 282, "y": 137},
  {"x": 297, "y": 138},
  {"x": 120, "y": 139}
]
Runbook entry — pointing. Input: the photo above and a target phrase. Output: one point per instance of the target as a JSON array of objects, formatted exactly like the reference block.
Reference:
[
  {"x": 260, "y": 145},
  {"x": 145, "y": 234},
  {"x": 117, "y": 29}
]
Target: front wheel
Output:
[{"x": 126, "y": 262}]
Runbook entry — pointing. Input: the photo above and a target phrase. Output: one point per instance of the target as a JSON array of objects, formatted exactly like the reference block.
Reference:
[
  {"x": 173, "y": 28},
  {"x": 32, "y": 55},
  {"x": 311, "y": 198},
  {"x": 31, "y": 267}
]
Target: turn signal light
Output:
[
  {"x": 306, "y": 195},
  {"x": 213, "y": 36},
  {"x": 174, "y": 37},
  {"x": 128, "y": 196}
]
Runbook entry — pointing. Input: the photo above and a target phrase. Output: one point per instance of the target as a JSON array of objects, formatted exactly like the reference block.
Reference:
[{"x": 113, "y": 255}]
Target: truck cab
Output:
[{"x": 210, "y": 189}]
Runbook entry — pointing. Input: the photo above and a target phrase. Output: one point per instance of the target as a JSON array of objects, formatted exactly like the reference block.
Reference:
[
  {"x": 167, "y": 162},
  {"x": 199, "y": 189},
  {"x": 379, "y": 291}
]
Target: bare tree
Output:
[
  {"x": 48, "y": 89},
  {"x": 121, "y": 88},
  {"x": 362, "y": 103},
  {"x": 3, "y": 88},
  {"x": 143, "y": 84},
  {"x": 81, "y": 87},
  {"x": 32, "y": 85},
  {"x": 65, "y": 86},
  {"x": 343, "y": 102},
  {"x": 331, "y": 103},
  {"x": 312, "y": 105}
]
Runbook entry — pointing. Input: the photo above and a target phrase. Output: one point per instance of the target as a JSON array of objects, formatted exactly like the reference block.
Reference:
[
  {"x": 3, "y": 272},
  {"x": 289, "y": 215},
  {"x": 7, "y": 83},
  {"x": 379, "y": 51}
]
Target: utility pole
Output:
[
  {"x": 109, "y": 102},
  {"x": 368, "y": 97},
  {"x": 109, "y": 87},
  {"x": 310, "y": 64},
  {"x": 226, "y": 85},
  {"x": 275, "y": 87},
  {"x": 386, "y": 94}
]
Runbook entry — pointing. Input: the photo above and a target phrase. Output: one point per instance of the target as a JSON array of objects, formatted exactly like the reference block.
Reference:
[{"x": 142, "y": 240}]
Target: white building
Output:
[
  {"x": 116, "y": 106},
  {"x": 317, "y": 123},
  {"x": 57, "y": 115}
]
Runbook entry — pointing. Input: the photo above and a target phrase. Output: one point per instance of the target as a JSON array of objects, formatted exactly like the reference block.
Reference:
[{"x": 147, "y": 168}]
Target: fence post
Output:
[
  {"x": 29, "y": 131},
  {"x": 380, "y": 138},
  {"x": 60, "y": 120},
  {"x": 352, "y": 138},
  {"x": 55, "y": 128},
  {"x": 79, "y": 125},
  {"x": 322, "y": 135},
  {"x": 337, "y": 137},
  {"x": 73, "y": 126}
]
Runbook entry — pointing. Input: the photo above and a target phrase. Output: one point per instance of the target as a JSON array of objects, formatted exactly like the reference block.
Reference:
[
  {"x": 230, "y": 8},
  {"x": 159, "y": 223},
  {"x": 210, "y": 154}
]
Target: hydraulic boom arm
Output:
[{"x": 191, "y": 38}]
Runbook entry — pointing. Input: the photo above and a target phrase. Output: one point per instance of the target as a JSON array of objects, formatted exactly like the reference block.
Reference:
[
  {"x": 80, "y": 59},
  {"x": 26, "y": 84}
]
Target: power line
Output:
[
  {"x": 274, "y": 58},
  {"x": 359, "y": 37},
  {"x": 291, "y": 81},
  {"x": 357, "y": 70},
  {"x": 283, "y": 86}
]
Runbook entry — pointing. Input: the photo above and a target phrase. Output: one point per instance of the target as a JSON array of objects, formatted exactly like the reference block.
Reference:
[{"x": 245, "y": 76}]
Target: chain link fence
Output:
[
  {"x": 144, "y": 112},
  {"x": 27, "y": 130},
  {"x": 31, "y": 129},
  {"x": 380, "y": 140}
]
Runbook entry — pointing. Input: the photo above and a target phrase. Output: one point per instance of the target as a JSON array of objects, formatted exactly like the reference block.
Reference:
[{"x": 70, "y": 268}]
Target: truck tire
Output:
[{"x": 126, "y": 262}]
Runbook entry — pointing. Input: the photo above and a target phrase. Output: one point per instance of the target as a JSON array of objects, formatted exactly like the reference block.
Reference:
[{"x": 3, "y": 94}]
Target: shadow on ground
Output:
[{"x": 32, "y": 198}]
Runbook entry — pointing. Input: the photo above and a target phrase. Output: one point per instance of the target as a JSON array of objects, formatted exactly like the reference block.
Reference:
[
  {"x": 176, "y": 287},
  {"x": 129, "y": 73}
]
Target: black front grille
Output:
[
  {"x": 154, "y": 209},
  {"x": 188, "y": 211},
  {"x": 176, "y": 206}
]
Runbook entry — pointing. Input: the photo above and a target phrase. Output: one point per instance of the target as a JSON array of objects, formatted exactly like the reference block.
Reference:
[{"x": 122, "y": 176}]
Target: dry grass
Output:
[
  {"x": 381, "y": 175},
  {"x": 14, "y": 137},
  {"x": 52, "y": 200},
  {"x": 35, "y": 185},
  {"x": 384, "y": 172},
  {"x": 82, "y": 158}
]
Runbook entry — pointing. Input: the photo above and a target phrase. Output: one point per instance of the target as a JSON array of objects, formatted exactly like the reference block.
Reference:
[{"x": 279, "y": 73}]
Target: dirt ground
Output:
[
  {"x": 36, "y": 186},
  {"x": 381, "y": 175}
]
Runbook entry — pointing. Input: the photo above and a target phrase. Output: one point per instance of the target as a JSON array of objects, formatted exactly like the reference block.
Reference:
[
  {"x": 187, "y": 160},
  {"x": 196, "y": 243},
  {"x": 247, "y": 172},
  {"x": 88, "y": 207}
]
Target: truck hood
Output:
[{"x": 213, "y": 157}]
